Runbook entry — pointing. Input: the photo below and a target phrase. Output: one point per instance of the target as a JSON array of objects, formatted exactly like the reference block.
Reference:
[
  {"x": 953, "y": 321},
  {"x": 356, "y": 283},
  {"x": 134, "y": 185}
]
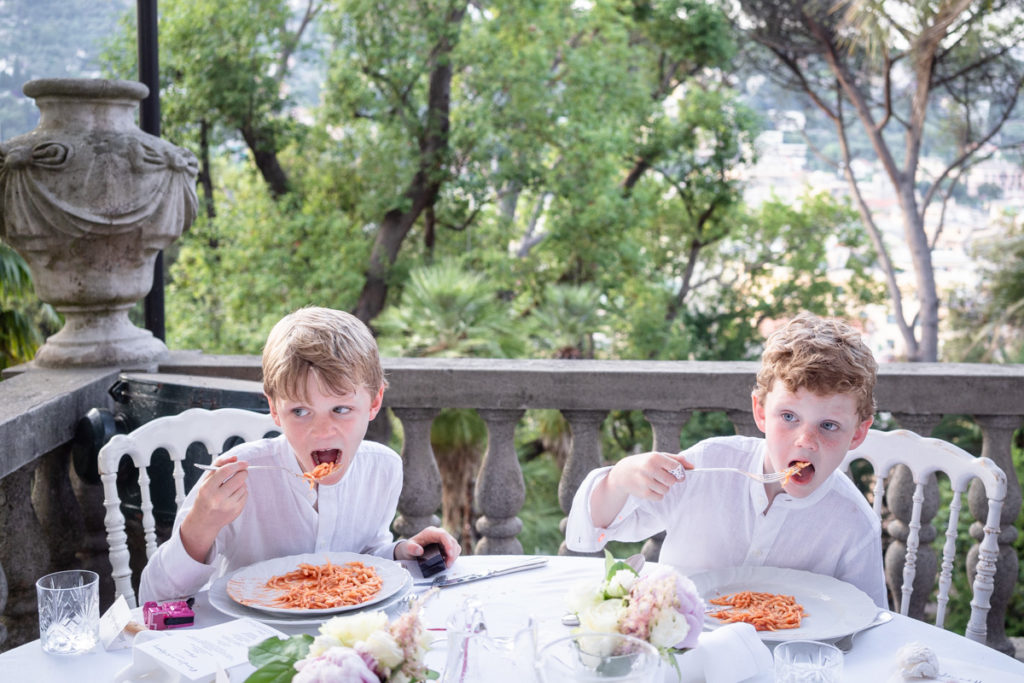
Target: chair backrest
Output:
[
  {"x": 924, "y": 457},
  {"x": 212, "y": 428}
]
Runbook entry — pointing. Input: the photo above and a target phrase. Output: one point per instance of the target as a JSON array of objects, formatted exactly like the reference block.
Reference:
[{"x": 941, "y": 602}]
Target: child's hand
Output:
[
  {"x": 648, "y": 475},
  {"x": 219, "y": 501},
  {"x": 413, "y": 548}
]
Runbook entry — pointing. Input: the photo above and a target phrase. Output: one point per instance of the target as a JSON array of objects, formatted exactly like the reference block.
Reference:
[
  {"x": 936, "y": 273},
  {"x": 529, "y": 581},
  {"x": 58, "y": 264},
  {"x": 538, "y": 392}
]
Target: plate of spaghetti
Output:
[
  {"x": 783, "y": 604},
  {"x": 224, "y": 603},
  {"x": 316, "y": 583}
]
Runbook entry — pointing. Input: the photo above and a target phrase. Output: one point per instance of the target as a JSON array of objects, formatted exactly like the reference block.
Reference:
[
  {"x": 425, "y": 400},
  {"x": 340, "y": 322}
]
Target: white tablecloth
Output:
[{"x": 543, "y": 591}]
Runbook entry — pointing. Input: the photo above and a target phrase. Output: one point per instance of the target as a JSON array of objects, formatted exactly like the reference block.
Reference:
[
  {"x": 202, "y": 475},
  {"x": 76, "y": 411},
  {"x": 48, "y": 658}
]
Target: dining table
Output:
[{"x": 542, "y": 592}]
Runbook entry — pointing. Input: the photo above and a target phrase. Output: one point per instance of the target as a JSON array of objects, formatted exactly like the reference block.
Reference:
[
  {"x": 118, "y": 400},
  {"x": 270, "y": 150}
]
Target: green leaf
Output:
[
  {"x": 274, "y": 672},
  {"x": 274, "y": 650},
  {"x": 612, "y": 565}
]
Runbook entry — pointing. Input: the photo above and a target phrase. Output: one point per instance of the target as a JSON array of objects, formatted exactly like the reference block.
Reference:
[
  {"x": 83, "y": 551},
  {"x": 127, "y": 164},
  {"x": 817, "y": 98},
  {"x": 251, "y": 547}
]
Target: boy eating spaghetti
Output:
[
  {"x": 814, "y": 401},
  {"x": 324, "y": 382}
]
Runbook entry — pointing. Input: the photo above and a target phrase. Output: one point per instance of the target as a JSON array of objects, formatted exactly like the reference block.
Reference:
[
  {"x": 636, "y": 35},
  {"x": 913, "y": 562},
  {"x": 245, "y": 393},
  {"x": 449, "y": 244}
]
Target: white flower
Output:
[
  {"x": 602, "y": 617},
  {"x": 584, "y": 595},
  {"x": 354, "y": 628},
  {"x": 383, "y": 648},
  {"x": 668, "y": 628},
  {"x": 621, "y": 583},
  {"x": 322, "y": 644}
]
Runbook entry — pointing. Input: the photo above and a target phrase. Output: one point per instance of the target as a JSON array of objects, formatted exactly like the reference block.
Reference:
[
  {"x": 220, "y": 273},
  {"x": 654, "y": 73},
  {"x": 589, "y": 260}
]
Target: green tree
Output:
[
  {"x": 877, "y": 66},
  {"x": 775, "y": 263},
  {"x": 223, "y": 69},
  {"x": 19, "y": 335}
]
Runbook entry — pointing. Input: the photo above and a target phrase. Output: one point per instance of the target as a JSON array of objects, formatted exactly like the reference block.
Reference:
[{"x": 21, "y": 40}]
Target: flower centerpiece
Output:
[
  {"x": 359, "y": 648},
  {"x": 661, "y": 607}
]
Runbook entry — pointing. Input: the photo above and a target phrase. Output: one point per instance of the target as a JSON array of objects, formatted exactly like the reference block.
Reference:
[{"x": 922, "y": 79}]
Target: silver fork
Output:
[
  {"x": 251, "y": 467},
  {"x": 845, "y": 644},
  {"x": 763, "y": 478}
]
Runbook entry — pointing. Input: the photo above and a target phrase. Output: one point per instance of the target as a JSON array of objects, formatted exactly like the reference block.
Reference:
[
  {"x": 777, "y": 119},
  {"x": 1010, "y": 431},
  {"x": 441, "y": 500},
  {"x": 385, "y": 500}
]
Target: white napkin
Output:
[{"x": 729, "y": 654}]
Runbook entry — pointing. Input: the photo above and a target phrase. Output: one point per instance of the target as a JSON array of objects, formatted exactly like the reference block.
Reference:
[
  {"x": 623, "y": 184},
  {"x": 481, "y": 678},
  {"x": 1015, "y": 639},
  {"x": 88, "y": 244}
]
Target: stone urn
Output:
[{"x": 88, "y": 200}]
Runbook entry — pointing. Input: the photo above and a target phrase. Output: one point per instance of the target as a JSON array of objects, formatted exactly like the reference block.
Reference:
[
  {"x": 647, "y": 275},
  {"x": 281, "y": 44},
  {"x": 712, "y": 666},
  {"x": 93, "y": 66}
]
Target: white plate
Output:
[
  {"x": 834, "y": 608},
  {"x": 247, "y": 586},
  {"x": 222, "y": 602}
]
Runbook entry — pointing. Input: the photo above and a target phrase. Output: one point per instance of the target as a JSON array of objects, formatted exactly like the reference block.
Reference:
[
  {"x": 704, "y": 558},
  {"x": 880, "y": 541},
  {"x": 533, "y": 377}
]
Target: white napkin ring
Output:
[{"x": 679, "y": 472}]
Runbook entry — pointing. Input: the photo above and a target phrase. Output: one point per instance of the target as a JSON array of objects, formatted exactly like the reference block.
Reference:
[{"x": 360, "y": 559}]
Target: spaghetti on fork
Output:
[{"x": 324, "y": 469}]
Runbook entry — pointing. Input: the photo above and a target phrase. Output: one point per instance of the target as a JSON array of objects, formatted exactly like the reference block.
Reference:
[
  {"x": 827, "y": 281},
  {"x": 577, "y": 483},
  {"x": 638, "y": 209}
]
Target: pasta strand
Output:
[
  {"x": 325, "y": 586},
  {"x": 765, "y": 611}
]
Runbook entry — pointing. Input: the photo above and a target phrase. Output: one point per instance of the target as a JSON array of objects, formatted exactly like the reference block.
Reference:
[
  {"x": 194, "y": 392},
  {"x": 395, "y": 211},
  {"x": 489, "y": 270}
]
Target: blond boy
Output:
[
  {"x": 814, "y": 401},
  {"x": 324, "y": 382}
]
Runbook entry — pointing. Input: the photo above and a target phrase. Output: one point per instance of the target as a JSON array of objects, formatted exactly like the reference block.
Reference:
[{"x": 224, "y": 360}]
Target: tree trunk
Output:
[
  {"x": 264, "y": 153},
  {"x": 425, "y": 185},
  {"x": 205, "y": 178}
]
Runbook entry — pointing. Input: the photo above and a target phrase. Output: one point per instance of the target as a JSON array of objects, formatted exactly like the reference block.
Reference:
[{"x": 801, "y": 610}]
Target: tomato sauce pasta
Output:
[
  {"x": 791, "y": 471},
  {"x": 765, "y": 611},
  {"x": 322, "y": 470},
  {"x": 325, "y": 586}
]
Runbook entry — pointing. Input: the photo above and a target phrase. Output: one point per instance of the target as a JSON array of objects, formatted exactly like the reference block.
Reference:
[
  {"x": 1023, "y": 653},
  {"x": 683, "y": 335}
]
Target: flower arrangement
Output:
[
  {"x": 359, "y": 648},
  {"x": 661, "y": 607}
]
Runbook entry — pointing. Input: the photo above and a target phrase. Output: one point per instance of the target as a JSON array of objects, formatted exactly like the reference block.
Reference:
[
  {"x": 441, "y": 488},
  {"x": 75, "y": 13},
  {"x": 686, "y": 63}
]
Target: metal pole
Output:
[{"x": 149, "y": 122}]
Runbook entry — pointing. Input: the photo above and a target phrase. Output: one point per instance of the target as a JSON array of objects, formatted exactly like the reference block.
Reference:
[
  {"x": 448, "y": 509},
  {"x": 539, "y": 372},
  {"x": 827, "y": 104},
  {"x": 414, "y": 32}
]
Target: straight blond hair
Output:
[{"x": 333, "y": 346}]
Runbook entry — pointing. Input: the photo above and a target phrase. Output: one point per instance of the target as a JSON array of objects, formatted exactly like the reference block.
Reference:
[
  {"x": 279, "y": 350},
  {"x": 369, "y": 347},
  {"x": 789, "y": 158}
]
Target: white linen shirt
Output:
[
  {"x": 284, "y": 516},
  {"x": 717, "y": 519}
]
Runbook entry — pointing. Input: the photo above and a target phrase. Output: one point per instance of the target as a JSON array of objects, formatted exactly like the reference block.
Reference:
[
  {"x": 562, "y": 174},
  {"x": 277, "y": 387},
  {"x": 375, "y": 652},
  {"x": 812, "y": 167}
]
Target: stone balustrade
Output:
[{"x": 50, "y": 519}]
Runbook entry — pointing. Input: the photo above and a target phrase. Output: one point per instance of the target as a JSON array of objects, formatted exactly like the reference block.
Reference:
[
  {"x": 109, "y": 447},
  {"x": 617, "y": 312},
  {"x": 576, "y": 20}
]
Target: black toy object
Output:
[{"x": 432, "y": 560}]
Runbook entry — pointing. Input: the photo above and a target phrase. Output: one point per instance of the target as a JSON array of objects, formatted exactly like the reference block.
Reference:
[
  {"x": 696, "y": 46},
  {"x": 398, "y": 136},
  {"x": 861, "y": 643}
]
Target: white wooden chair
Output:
[
  {"x": 925, "y": 456},
  {"x": 212, "y": 428}
]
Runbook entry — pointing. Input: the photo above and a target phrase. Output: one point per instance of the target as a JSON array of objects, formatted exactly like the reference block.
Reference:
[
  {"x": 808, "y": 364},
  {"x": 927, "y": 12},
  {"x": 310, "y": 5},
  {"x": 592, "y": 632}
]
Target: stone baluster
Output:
[
  {"x": 900, "y": 492},
  {"x": 57, "y": 508},
  {"x": 743, "y": 421},
  {"x": 500, "y": 491},
  {"x": 668, "y": 427},
  {"x": 24, "y": 555},
  {"x": 997, "y": 436},
  {"x": 421, "y": 479},
  {"x": 584, "y": 456}
]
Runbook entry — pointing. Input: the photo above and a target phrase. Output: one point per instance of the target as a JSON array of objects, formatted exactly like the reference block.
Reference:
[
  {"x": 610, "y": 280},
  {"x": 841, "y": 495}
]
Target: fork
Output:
[
  {"x": 763, "y": 478},
  {"x": 678, "y": 472},
  {"x": 251, "y": 467}
]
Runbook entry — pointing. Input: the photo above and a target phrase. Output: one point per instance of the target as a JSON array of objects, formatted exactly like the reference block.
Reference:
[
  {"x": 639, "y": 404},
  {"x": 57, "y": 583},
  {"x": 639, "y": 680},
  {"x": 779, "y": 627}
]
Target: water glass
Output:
[
  {"x": 69, "y": 611},
  {"x": 807, "y": 661},
  {"x": 493, "y": 642},
  {"x": 599, "y": 657}
]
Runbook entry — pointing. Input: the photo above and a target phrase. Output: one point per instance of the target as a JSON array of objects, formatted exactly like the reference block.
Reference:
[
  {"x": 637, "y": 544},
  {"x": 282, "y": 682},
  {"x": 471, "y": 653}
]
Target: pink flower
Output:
[
  {"x": 336, "y": 665},
  {"x": 665, "y": 610}
]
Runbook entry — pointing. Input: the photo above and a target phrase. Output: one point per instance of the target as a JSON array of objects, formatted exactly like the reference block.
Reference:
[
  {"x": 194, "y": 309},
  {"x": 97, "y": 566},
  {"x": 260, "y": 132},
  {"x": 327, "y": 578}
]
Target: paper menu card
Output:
[{"x": 194, "y": 655}]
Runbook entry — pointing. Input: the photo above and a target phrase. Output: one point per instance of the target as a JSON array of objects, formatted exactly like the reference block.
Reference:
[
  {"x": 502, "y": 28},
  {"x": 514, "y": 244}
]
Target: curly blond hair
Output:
[
  {"x": 333, "y": 346},
  {"x": 826, "y": 356}
]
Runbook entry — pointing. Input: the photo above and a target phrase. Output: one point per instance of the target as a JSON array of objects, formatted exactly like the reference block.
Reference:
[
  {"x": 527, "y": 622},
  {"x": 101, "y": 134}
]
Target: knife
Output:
[{"x": 445, "y": 581}]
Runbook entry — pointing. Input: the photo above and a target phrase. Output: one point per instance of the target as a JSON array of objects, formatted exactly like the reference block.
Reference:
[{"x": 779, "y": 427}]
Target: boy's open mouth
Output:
[
  {"x": 330, "y": 455},
  {"x": 804, "y": 474}
]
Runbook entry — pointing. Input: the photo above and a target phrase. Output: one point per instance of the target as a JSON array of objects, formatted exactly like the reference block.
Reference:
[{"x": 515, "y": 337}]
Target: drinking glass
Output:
[
  {"x": 807, "y": 661},
  {"x": 69, "y": 611},
  {"x": 599, "y": 657},
  {"x": 493, "y": 642}
]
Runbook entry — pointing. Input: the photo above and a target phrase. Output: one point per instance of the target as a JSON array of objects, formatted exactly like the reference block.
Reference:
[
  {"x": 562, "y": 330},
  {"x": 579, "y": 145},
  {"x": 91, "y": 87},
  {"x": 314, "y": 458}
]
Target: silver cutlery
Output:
[
  {"x": 443, "y": 581},
  {"x": 845, "y": 644},
  {"x": 212, "y": 468}
]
